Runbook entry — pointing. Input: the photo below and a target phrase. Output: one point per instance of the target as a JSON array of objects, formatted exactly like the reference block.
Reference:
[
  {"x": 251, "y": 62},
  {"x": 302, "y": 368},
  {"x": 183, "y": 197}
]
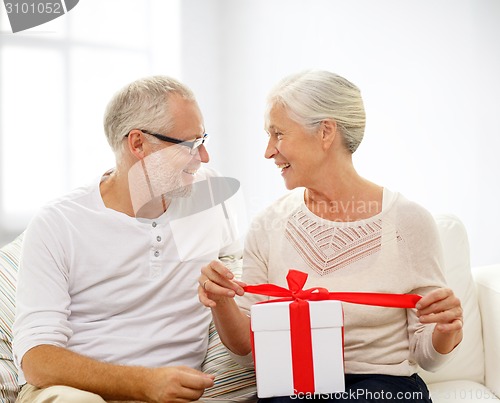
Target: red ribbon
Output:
[{"x": 300, "y": 321}]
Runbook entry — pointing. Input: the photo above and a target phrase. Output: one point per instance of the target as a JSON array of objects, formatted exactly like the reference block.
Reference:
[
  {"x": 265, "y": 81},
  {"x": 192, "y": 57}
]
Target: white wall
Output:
[
  {"x": 428, "y": 71},
  {"x": 55, "y": 81}
]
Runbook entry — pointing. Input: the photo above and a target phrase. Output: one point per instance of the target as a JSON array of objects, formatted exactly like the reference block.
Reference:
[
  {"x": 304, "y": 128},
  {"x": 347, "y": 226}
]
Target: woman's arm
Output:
[
  {"x": 217, "y": 291},
  {"x": 442, "y": 307}
]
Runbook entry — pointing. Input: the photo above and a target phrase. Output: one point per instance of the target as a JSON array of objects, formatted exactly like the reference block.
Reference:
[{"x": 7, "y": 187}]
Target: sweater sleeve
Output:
[
  {"x": 426, "y": 260},
  {"x": 255, "y": 258}
]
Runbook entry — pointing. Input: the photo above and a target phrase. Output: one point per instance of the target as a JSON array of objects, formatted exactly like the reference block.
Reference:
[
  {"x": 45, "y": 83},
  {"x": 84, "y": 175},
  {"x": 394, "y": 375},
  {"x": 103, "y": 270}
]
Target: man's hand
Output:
[{"x": 177, "y": 384}]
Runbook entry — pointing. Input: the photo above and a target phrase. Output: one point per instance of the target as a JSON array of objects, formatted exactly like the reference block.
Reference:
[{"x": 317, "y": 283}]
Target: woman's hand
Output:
[
  {"x": 217, "y": 283},
  {"x": 217, "y": 290},
  {"x": 441, "y": 306}
]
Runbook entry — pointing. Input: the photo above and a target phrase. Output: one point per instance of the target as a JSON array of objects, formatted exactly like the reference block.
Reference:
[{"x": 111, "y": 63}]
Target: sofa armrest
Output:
[{"x": 487, "y": 279}]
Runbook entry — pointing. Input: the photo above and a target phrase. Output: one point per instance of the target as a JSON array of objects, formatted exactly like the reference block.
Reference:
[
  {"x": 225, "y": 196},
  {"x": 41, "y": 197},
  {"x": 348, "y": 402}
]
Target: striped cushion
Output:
[
  {"x": 233, "y": 383},
  {"x": 9, "y": 262}
]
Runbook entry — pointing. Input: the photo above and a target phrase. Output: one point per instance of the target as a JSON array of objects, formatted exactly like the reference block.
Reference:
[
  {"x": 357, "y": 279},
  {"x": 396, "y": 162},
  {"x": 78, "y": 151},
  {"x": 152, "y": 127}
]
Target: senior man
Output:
[{"x": 107, "y": 305}]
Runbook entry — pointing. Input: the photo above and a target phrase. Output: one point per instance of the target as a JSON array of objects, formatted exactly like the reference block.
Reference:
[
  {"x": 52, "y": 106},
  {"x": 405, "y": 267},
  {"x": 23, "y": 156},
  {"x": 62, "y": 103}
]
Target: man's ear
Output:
[
  {"x": 135, "y": 141},
  {"x": 328, "y": 132}
]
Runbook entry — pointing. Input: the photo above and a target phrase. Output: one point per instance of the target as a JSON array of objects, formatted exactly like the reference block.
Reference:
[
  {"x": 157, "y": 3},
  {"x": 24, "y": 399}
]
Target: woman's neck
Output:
[{"x": 345, "y": 197}]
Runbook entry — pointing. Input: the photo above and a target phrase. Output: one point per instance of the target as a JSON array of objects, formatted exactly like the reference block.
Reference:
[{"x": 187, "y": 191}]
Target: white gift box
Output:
[{"x": 273, "y": 351}]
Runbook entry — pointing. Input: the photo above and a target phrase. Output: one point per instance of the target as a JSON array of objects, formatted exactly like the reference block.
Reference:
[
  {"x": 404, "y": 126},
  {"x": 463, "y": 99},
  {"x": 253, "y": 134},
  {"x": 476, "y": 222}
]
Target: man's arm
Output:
[{"x": 47, "y": 365}]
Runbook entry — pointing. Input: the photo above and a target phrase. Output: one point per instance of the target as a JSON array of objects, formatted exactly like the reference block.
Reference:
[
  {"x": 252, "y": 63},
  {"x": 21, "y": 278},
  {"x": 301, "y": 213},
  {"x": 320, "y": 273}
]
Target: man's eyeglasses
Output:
[{"x": 192, "y": 145}]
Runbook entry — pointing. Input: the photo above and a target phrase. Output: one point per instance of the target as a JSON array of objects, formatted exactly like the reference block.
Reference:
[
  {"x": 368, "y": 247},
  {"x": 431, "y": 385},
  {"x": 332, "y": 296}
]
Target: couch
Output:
[{"x": 472, "y": 375}]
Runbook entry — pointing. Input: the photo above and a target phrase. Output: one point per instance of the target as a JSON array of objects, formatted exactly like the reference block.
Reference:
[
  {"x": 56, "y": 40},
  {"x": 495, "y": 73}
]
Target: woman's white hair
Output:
[
  {"x": 142, "y": 104},
  {"x": 312, "y": 96}
]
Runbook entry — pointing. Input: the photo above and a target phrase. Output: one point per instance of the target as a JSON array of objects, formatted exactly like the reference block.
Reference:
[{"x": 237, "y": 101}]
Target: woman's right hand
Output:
[
  {"x": 217, "y": 289},
  {"x": 217, "y": 283}
]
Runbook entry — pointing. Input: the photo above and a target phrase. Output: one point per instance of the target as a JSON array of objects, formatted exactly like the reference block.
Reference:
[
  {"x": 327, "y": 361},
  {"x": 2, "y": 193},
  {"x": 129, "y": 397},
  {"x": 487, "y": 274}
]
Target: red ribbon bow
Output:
[
  {"x": 297, "y": 279},
  {"x": 300, "y": 321}
]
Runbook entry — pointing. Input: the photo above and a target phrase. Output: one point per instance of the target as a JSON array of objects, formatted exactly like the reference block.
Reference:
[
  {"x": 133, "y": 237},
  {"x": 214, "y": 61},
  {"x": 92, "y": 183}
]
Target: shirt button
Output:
[
  {"x": 154, "y": 224},
  {"x": 157, "y": 253},
  {"x": 158, "y": 238}
]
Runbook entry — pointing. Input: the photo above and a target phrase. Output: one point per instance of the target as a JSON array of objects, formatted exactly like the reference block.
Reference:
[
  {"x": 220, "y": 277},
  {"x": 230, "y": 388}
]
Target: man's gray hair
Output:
[
  {"x": 315, "y": 95},
  {"x": 142, "y": 104}
]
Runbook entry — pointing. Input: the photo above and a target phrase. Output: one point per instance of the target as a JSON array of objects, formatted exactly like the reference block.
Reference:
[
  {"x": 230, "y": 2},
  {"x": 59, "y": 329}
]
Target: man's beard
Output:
[
  {"x": 160, "y": 177},
  {"x": 179, "y": 191}
]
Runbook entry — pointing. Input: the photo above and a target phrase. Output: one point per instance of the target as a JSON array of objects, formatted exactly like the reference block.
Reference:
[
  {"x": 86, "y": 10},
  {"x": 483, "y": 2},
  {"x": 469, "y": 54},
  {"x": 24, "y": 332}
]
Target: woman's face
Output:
[{"x": 296, "y": 152}]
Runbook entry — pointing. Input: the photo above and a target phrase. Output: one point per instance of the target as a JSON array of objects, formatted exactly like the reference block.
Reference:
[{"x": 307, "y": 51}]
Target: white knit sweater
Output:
[{"x": 395, "y": 251}]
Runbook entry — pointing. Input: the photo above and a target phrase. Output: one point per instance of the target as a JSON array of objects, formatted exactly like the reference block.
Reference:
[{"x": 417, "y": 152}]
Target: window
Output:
[{"x": 55, "y": 81}]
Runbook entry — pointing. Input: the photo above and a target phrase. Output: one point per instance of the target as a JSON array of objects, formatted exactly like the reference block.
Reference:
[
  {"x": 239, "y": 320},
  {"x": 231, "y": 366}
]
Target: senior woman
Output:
[{"x": 348, "y": 234}]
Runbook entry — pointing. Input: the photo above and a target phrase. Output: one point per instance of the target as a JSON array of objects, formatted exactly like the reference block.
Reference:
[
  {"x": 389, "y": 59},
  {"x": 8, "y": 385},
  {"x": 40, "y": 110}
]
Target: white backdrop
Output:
[{"x": 428, "y": 70}]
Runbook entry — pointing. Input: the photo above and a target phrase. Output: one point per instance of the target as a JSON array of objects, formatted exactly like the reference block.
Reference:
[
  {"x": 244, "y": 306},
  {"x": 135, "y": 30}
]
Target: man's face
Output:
[{"x": 169, "y": 169}]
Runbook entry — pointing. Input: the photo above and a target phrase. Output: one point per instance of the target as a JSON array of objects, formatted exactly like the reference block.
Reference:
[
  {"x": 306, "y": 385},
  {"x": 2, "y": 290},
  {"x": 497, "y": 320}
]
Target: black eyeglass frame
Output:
[{"x": 192, "y": 145}]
